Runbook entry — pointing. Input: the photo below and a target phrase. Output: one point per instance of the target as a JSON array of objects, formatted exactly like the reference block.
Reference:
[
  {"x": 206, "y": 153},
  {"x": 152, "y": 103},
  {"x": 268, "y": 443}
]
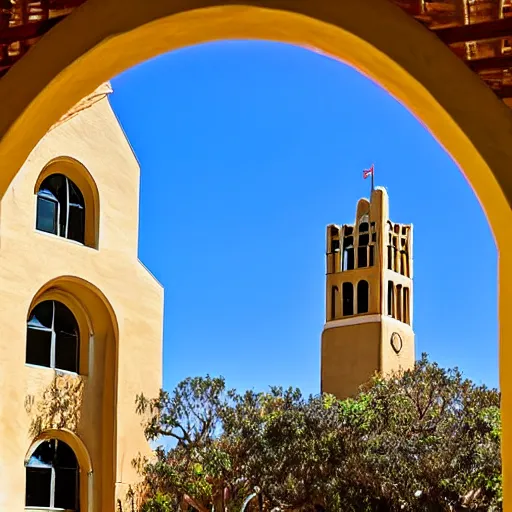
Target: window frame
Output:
[
  {"x": 53, "y": 342},
  {"x": 363, "y": 283},
  {"x": 53, "y": 468},
  {"x": 39, "y": 195}
]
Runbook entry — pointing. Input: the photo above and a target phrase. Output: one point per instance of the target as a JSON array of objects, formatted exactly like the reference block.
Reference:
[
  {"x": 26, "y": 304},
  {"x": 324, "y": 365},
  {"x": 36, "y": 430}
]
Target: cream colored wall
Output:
[
  {"x": 123, "y": 302},
  {"x": 350, "y": 356},
  {"x": 390, "y": 361}
]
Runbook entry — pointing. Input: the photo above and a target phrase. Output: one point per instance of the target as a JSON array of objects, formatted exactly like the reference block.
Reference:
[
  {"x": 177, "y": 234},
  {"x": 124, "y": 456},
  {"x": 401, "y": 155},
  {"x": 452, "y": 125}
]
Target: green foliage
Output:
[
  {"x": 159, "y": 503},
  {"x": 424, "y": 440}
]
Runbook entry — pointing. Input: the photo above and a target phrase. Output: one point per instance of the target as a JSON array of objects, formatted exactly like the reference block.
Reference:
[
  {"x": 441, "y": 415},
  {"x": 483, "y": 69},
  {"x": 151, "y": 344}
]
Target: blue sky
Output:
[{"x": 247, "y": 151}]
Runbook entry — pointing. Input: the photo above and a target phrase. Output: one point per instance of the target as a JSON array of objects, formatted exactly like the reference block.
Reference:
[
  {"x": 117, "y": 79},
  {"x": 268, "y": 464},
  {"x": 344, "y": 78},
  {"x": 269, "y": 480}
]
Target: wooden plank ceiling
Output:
[{"x": 478, "y": 31}]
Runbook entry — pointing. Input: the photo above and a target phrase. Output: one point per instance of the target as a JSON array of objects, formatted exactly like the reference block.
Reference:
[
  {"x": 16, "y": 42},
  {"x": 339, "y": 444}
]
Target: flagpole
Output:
[{"x": 373, "y": 174}]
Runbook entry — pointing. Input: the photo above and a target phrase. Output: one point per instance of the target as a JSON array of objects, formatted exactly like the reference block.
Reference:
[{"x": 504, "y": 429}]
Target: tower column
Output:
[{"x": 368, "y": 299}]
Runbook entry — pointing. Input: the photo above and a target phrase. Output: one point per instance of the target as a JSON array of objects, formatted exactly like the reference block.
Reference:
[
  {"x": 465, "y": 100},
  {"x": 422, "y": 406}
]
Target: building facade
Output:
[
  {"x": 369, "y": 298},
  {"x": 81, "y": 319}
]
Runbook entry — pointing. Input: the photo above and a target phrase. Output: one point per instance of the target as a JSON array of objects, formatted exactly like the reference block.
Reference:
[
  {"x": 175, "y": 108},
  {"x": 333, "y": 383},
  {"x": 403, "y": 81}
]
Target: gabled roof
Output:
[{"x": 98, "y": 94}]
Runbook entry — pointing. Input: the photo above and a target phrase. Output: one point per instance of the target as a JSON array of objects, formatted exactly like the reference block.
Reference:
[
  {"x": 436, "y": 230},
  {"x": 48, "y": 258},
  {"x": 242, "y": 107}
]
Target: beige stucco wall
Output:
[
  {"x": 350, "y": 357},
  {"x": 120, "y": 304}
]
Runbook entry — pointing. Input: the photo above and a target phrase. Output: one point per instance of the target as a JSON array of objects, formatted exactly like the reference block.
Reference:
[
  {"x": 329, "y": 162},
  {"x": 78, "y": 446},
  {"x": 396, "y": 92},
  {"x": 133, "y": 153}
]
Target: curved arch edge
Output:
[
  {"x": 68, "y": 437},
  {"x": 79, "y": 174}
]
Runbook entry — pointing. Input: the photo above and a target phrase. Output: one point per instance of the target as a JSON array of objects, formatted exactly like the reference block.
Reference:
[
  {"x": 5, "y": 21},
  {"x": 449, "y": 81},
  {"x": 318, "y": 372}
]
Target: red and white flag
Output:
[{"x": 368, "y": 172}]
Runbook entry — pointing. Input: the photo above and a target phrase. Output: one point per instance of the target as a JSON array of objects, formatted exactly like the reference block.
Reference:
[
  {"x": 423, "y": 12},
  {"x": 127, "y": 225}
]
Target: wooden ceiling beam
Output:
[
  {"x": 28, "y": 31},
  {"x": 504, "y": 92},
  {"x": 502, "y": 62},
  {"x": 6, "y": 64},
  {"x": 476, "y": 32}
]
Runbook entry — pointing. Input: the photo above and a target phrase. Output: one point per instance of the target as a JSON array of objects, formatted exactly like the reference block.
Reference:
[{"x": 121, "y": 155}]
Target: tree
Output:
[
  {"x": 423, "y": 440},
  {"x": 200, "y": 468},
  {"x": 427, "y": 440}
]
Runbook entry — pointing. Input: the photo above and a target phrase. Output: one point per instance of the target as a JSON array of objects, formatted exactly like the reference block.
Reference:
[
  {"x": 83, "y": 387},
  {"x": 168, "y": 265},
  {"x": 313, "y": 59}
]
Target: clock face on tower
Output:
[{"x": 396, "y": 342}]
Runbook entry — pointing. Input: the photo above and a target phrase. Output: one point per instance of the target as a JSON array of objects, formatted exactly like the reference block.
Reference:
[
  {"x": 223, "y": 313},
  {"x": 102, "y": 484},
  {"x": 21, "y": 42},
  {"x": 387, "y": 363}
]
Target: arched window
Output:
[
  {"x": 348, "y": 299},
  {"x": 407, "y": 318},
  {"x": 348, "y": 249},
  {"x": 335, "y": 302},
  {"x": 363, "y": 241},
  {"x": 61, "y": 208},
  {"x": 404, "y": 258},
  {"x": 399, "y": 302},
  {"x": 52, "y": 477},
  {"x": 363, "y": 296},
  {"x": 53, "y": 337},
  {"x": 391, "y": 299}
]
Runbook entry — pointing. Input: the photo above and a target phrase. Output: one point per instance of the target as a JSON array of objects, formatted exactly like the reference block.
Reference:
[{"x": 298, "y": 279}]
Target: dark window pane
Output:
[
  {"x": 362, "y": 257},
  {"x": 46, "y": 215},
  {"x": 64, "y": 319},
  {"x": 56, "y": 185},
  {"x": 44, "y": 454},
  {"x": 41, "y": 316},
  {"x": 66, "y": 339},
  {"x": 372, "y": 255},
  {"x": 66, "y": 357},
  {"x": 75, "y": 196},
  {"x": 38, "y": 347},
  {"x": 38, "y": 486},
  {"x": 76, "y": 224},
  {"x": 362, "y": 297},
  {"x": 62, "y": 196},
  {"x": 349, "y": 259},
  {"x": 363, "y": 227},
  {"x": 348, "y": 299},
  {"x": 65, "y": 457},
  {"x": 335, "y": 297},
  {"x": 66, "y": 487},
  {"x": 364, "y": 239},
  {"x": 374, "y": 237},
  {"x": 391, "y": 299},
  {"x": 348, "y": 241}
]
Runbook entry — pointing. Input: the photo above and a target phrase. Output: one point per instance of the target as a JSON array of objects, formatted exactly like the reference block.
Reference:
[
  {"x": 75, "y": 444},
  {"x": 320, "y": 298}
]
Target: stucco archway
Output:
[
  {"x": 100, "y": 331},
  {"x": 105, "y": 37}
]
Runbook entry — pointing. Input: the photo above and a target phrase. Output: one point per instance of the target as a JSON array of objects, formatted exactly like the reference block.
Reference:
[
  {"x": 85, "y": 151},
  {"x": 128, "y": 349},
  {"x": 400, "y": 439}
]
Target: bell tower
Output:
[{"x": 369, "y": 296}]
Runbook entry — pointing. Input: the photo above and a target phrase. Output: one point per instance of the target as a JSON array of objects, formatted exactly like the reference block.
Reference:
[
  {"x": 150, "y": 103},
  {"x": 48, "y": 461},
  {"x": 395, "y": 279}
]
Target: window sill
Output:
[
  {"x": 48, "y": 509},
  {"x": 68, "y": 240},
  {"x": 58, "y": 372}
]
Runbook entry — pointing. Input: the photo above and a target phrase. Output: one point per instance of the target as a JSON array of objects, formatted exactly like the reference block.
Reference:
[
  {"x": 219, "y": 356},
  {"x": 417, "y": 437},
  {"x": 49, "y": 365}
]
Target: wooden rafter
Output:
[
  {"x": 504, "y": 92},
  {"x": 476, "y": 32},
  {"x": 28, "y": 31},
  {"x": 500, "y": 62}
]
